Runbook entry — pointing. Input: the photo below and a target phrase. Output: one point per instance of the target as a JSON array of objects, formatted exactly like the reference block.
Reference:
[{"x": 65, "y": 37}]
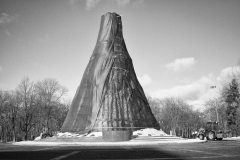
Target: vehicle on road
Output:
[{"x": 212, "y": 131}]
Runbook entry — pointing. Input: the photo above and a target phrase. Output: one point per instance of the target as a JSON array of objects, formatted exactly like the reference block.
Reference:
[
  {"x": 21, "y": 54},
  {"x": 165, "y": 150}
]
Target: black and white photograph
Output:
[{"x": 120, "y": 79}]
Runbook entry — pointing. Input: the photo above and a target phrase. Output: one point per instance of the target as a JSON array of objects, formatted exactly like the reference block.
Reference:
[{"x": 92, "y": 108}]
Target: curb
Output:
[{"x": 125, "y": 143}]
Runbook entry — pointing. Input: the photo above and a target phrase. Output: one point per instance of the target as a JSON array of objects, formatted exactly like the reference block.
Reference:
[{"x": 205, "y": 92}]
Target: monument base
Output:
[{"x": 115, "y": 136}]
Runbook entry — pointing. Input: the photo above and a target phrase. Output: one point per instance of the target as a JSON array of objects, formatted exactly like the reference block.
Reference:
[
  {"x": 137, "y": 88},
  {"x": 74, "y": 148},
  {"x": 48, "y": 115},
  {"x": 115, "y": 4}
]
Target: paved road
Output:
[{"x": 212, "y": 150}]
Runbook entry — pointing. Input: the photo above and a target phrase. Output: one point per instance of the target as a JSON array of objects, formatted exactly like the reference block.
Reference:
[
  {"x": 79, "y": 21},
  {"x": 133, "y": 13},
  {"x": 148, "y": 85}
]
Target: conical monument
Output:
[{"x": 109, "y": 96}]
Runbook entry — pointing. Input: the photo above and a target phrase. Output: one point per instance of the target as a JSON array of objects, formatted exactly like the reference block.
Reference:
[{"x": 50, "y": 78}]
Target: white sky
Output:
[{"x": 179, "y": 47}]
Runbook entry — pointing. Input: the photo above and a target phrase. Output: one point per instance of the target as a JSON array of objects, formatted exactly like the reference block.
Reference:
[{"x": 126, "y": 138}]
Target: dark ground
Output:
[{"x": 212, "y": 150}]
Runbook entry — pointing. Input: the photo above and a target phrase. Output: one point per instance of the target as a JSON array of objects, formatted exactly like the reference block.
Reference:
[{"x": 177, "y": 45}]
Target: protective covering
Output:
[{"x": 109, "y": 96}]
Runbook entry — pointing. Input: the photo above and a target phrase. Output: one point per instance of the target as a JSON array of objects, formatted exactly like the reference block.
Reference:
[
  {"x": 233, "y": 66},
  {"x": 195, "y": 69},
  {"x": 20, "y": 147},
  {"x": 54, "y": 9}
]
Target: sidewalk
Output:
[{"x": 139, "y": 141}]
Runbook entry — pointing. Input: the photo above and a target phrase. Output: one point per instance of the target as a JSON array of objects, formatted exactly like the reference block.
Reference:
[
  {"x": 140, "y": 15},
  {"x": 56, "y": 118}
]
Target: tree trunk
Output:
[
  {"x": 26, "y": 132},
  {"x": 2, "y": 134},
  {"x": 173, "y": 131},
  {"x": 14, "y": 133},
  {"x": 5, "y": 135}
]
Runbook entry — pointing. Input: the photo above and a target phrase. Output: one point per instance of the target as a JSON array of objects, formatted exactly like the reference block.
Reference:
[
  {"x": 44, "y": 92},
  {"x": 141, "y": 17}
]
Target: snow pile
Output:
[
  {"x": 141, "y": 132},
  {"x": 94, "y": 134},
  {"x": 149, "y": 132},
  {"x": 37, "y": 138},
  {"x": 69, "y": 134}
]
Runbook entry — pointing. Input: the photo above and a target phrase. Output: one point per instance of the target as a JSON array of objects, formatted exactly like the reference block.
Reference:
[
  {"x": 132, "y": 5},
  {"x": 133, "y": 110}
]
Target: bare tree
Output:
[
  {"x": 27, "y": 94},
  {"x": 156, "y": 107},
  {"x": 12, "y": 104},
  {"x": 216, "y": 111},
  {"x": 172, "y": 113},
  {"x": 3, "y": 116},
  {"x": 50, "y": 93},
  {"x": 59, "y": 115},
  {"x": 31, "y": 108}
]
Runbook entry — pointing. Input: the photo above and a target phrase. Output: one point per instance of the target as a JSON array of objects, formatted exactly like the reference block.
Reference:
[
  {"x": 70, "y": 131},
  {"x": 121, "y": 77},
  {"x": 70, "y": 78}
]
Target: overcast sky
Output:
[{"x": 179, "y": 47}]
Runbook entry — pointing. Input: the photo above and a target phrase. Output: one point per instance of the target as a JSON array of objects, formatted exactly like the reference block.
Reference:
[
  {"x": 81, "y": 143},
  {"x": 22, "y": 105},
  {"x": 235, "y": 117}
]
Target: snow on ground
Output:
[
  {"x": 141, "y": 132},
  {"x": 37, "y": 138},
  {"x": 69, "y": 134},
  {"x": 233, "y": 138},
  {"x": 149, "y": 132},
  {"x": 94, "y": 134}
]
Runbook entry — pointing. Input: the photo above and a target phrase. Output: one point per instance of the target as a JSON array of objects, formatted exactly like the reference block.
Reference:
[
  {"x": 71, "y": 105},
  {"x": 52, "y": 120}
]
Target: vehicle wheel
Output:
[
  {"x": 201, "y": 137},
  {"x": 234, "y": 135},
  {"x": 224, "y": 135},
  {"x": 211, "y": 136}
]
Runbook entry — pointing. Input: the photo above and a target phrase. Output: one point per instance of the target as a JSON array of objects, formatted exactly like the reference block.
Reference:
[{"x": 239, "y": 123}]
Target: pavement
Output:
[
  {"x": 228, "y": 148},
  {"x": 97, "y": 141}
]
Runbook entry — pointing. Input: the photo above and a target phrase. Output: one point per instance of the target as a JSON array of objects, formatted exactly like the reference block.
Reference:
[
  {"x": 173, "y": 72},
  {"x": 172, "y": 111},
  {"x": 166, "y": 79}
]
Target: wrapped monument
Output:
[{"x": 109, "y": 96}]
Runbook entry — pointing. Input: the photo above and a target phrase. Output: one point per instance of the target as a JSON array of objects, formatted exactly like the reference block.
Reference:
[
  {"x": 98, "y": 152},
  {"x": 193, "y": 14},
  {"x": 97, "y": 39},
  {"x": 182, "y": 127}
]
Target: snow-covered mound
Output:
[
  {"x": 94, "y": 134},
  {"x": 69, "y": 134},
  {"x": 149, "y": 132},
  {"x": 37, "y": 138},
  {"x": 141, "y": 132}
]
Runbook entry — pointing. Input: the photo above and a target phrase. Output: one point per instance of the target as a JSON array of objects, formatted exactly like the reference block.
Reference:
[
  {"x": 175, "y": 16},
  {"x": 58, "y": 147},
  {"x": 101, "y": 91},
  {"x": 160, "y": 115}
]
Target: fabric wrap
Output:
[{"x": 109, "y": 96}]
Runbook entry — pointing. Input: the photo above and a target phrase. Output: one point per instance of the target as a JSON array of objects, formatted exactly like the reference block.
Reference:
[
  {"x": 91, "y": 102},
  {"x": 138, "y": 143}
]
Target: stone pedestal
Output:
[{"x": 116, "y": 136}]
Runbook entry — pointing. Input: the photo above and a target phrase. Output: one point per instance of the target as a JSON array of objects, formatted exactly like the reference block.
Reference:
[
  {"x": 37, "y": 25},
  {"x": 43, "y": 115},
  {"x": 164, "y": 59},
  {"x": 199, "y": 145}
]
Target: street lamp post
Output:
[{"x": 215, "y": 103}]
